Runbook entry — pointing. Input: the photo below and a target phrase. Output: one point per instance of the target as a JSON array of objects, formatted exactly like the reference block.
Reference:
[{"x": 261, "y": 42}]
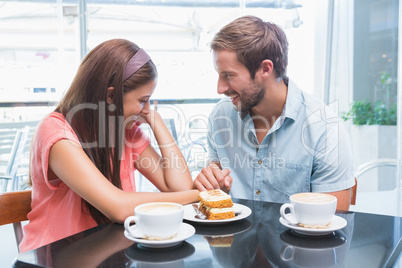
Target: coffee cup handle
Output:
[
  {"x": 283, "y": 253},
  {"x": 287, "y": 217},
  {"x": 127, "y": 223}
]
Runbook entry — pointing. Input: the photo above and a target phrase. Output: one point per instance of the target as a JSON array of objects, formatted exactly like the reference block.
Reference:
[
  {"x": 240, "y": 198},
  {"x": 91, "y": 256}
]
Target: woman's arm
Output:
[
  {"x": 168, "y": 172},
  {"x": 69, "y": 162}
]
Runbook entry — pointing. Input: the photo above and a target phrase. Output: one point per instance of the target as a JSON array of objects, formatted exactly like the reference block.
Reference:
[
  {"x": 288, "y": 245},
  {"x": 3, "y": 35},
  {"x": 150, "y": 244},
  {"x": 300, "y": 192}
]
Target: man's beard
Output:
[{"x": 250, "y": 97}]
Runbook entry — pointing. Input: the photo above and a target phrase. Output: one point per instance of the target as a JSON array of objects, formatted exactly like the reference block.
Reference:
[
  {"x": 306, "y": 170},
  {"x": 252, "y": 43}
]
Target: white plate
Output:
[
  {"x": 337, "y": 224},
  {"x": 186, "y": 231},
  {"x": 189, "y": 214}
]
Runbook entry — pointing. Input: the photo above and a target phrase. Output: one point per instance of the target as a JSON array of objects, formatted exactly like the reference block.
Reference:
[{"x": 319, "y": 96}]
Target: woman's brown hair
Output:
[
  {"x": 99, "y": 125},
  {"x": 254, "y": 41}
]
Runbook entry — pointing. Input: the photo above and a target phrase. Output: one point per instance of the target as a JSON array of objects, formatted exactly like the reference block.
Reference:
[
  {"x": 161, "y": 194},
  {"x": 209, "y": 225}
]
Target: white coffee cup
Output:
[
  {"x": 155, "y": 220},
  {"x": 309, "y": 209}
]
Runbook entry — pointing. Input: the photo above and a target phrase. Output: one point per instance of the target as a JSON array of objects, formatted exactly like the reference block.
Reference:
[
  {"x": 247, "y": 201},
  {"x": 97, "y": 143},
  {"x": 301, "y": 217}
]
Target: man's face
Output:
[{"x": 235, "y": 82}]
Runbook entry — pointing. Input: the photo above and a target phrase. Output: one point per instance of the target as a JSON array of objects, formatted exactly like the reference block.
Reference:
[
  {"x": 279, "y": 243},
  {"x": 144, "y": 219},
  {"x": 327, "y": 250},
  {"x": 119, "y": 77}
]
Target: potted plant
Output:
[
  {"x": 373, "y": 136},
  {"x": 365, "y": 113}
]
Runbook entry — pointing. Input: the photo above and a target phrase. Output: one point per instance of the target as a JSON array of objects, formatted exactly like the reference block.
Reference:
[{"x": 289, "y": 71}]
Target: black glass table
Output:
[{"x": 260, "y": 240}]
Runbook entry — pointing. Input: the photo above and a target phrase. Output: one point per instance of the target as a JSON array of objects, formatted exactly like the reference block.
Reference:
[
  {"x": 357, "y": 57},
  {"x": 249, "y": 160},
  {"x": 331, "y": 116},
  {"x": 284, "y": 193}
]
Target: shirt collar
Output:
[{"x": 294, "y": 100}]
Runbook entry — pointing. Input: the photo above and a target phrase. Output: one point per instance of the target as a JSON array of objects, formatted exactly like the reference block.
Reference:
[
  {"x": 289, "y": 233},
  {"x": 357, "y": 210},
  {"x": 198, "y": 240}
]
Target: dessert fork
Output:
[
  {"x": 198, "y": 213},
  {"x": 201, "y": 216}
]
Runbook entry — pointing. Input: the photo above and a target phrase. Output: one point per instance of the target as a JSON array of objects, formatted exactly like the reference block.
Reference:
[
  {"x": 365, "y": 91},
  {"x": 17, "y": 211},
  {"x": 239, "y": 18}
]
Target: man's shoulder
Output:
[
  {"x": 317, "y": 108},
  {"x": 310, "y": 101},
  {"x": 314, "y": 108}
]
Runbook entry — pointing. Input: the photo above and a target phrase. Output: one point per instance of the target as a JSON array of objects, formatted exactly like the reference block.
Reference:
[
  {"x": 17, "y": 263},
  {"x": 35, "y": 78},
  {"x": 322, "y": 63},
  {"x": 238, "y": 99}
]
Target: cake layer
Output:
[
  {"x": 217, "y": 213},
  {"x": 215, "y": 199}
]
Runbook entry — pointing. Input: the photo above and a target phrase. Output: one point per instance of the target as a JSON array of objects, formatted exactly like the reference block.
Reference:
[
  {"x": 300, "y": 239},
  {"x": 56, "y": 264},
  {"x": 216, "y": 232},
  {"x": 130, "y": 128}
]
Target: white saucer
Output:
[
  {"x": 186, "y": 231},
  {"x": 337, "y": 224},
  {"x": 189, "y": 214}
]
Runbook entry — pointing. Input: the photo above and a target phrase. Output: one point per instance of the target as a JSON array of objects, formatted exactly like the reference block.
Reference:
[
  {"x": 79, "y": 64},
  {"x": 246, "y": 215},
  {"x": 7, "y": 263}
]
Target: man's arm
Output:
[
  {"x": 343, "y": 197},
  {"x": 334, "y": 163}
]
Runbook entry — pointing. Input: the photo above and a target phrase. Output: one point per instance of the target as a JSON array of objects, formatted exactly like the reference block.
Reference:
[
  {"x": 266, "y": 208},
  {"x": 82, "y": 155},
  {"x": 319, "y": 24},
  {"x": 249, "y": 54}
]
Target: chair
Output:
[
  {"x": 366, "y": 167},
  {"x": 14, "y": 151},
  {"x": 15, "y": 159},
  {"x": 8, "y": 131},
  {"x": 14, "y": 208},
  {"x": 353, "y": 193}
]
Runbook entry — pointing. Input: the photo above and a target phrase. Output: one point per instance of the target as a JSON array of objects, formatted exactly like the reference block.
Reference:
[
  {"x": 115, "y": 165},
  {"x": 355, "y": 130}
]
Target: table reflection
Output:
[
  {"x": 267, "y": 243},
  {"x": 327, "y": 251},
  {"x": 160, "y": 257},
  {"x": 101, "y": 247}
]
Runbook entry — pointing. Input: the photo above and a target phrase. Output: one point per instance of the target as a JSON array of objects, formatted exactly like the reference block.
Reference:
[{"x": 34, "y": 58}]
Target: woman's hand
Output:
[{"x": 147, "y": 118}]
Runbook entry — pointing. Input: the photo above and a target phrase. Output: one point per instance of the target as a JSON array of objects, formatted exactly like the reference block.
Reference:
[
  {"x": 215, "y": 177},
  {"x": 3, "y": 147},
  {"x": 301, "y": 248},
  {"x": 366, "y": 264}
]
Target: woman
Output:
[{"x": 85, "y": 153}]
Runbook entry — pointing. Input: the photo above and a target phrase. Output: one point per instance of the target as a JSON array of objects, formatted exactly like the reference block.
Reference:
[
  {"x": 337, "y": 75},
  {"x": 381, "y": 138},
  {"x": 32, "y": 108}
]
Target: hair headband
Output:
[{"x": 135, "y": 63}]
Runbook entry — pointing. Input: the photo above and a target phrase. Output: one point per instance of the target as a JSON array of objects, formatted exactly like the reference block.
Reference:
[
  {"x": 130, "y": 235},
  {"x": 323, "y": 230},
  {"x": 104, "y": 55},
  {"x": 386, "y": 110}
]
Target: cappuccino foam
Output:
[
  {"x": 159, "y": 209},
  {"x": 314, "y": 198}
]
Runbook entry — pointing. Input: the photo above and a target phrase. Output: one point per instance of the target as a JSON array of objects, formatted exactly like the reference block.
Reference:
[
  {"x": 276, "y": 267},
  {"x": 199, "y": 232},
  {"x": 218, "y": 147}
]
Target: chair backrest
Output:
[
  {"x": 353, "y": 194},
  {"x": 366, "y": 167},
  {"x": 17, "y": 151},
  {"x": 14, "y": 208},
  {"x": 15, "y": 158},
  {"x": 8, "y": 130},
  {"x": 15, "y": 143}
]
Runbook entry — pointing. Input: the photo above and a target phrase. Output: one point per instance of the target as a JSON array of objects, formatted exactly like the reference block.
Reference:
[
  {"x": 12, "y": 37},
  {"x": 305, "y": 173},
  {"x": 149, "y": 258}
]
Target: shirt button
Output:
[
  {"x": 257, "y": 192},
  {"x": 259, "y": 162}
]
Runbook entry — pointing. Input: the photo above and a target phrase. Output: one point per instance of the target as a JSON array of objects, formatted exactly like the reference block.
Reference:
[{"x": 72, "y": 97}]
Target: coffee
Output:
[
  {"x": 313, "y": 198},
  {"x": 158, "y": 209}
]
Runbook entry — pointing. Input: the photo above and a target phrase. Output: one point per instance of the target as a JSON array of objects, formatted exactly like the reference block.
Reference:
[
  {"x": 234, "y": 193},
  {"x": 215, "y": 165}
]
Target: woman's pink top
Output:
[{"x": 57, "y": 211}]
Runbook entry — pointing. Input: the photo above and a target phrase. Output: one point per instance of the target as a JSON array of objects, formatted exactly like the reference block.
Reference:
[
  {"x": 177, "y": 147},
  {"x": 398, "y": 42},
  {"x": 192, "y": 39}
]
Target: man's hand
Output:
[{"x": 212, "y": 177}]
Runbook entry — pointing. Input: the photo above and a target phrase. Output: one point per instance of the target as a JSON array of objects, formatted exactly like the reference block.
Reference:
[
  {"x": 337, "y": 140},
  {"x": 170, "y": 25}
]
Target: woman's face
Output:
[{"x": 136, "y": 102}]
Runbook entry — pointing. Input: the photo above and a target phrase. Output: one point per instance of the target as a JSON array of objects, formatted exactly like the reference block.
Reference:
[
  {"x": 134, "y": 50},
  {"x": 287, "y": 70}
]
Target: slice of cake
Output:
[{"x": 216, "y": 205}]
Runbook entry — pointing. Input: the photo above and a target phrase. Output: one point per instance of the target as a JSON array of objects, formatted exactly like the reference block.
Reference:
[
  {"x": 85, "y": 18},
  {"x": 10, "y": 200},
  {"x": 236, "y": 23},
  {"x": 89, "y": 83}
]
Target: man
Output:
[{"x": 275, "y": 139}]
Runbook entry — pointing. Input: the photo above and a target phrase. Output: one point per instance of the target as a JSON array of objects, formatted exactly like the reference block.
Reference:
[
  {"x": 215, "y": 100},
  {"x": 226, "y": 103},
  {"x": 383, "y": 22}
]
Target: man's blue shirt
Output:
[{"x": 307, "y": 149}]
